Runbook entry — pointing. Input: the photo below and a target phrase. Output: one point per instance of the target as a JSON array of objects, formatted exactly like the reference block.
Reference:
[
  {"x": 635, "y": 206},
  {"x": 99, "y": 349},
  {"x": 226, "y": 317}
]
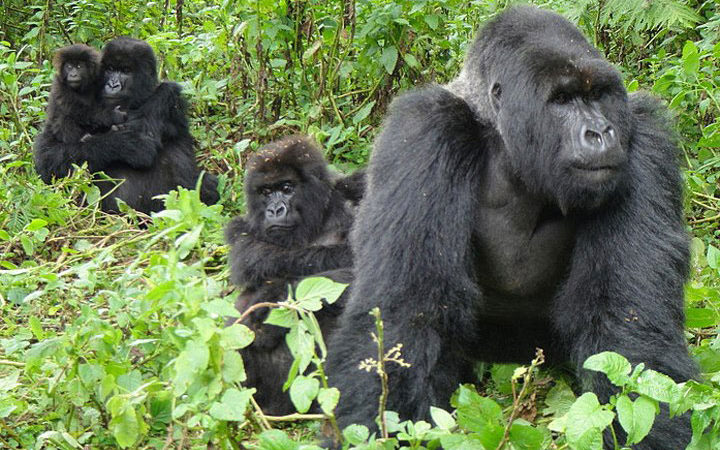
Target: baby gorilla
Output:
[
  {"x": 296, "y": 226},
  {"x": 74, "y": 109}
]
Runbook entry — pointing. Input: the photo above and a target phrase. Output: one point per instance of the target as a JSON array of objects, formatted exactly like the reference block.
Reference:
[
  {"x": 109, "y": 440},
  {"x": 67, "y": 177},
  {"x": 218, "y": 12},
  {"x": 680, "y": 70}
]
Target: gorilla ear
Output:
[{"x": 495, "y": 92}]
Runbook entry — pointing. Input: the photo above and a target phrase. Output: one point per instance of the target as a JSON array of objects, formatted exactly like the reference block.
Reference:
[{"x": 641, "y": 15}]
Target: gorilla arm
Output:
[
  {"x": 54, "y": 158},
  {"x": 162, "y": 115},
  {"x": 255, "y": 261},
  {"x": 411, "y": 238},
  {"x": 637, "y": 289},
  {"x": 352, "y": 187}
]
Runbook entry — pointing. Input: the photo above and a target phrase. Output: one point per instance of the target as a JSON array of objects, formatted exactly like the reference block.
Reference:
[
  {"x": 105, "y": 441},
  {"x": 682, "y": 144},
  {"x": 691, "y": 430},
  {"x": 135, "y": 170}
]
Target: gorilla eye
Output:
[
  {"x": 287, "y": 188},
  {"x": 561, "y": 98},
  {"x": 596, "y": 94},
  {"x": 264, "y": 191}
]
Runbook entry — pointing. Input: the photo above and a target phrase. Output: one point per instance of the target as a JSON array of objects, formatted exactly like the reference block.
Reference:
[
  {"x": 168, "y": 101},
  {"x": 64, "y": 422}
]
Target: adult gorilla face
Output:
[
  {"x": 130, "y": 72},
  {"x": 118, "y": 80},
  {"x": 565, "y": 102}
]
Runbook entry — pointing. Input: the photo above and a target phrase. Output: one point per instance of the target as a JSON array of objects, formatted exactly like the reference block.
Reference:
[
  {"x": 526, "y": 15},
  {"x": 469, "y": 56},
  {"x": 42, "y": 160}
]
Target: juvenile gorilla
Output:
[
  {"x": 151, "y": 154},
  {"x": 529, "y": 203},
  {"x": 74, "y": 109},
  {"x": 296, "y": 226}
]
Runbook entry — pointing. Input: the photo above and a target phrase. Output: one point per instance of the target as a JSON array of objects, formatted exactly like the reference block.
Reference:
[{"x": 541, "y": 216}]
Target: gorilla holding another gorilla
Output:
[
  {"x": 529, "y": 203},
  {"x": 151, "y": 154},
  {"x": 75, "y": 112}
]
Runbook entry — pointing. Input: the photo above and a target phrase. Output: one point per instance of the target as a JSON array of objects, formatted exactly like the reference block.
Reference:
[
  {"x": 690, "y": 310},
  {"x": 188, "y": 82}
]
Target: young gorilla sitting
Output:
[
  {"x": 296, "y": 226},
  {"x": 75, "y": 110}
]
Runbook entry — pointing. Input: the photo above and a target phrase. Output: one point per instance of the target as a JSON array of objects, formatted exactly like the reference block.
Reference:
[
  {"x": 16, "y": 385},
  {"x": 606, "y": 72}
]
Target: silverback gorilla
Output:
[
  {"x": 529, "y": 203},
  {"x": 296, "y": 226},
  {"x": 152, "y": 153}
]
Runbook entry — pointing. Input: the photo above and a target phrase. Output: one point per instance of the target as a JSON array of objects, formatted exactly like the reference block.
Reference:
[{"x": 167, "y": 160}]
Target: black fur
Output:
[
  {"x": 151, "y": 154},
  {"x": 265, "y": 260},
  {"x": 487, "y": 230},
  {"x": 75, "y": 111}
]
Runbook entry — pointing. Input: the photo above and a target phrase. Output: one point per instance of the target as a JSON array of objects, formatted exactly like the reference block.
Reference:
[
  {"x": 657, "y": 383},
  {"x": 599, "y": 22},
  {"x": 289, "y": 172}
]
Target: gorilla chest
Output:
[{"x": 522, "y": 255}]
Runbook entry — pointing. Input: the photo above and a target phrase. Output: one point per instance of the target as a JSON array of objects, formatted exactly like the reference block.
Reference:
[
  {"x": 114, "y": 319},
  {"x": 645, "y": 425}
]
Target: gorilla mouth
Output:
[
  {"x": 591, "y": 168},
  {"x": 595, "y": 173},
  {"x": 278, "y": 228}
]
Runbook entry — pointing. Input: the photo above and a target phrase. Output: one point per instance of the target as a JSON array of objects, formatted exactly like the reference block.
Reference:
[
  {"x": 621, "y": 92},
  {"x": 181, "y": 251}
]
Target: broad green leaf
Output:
[
  {"x": 657, "y": 386},
  {"x": 636, "y": 417},
  {"x": 526, "y": 437},
  {"x": 690, "y": 58},
  {"x": 220, "y": 308},
  {"x": 35, "y": 225},
  {"x": 233, "y": 369},
  {"x": 303, "y": 391},
  {"x": 36, "y": 328},
  {"x": 282, "y": 317},
  {"x": 559, "y": 399},
  {"x": 232, "y": 405},
  {"x": 713, "y": 257},
  {"x": 356, "y": 434},
  {"x": 187, "y": 241},
  {"x": 236, "y": 336},
  {"x": 501, "y": 375},
  {"x": 363, "y": 113},
  {"x": 319, "y": 288},
  {"x": 461, "y": 442},
  {"x": 190, "y": 363},
  {"x": 443, "y": 419},
  {"x": 411, "y": 61},
  {"x": 701, "y": 317},
  {"x": 27, "y": 245},
  {"x": 206, "y": 327},
  {"x": 9, "y": 382},
  {"x": 276, "y": 440},
  {"x": 475, "y": 412},
  {"x": 615, "y": 366},
  {"x": 491, "y": 435},
  {"x": 125, "y": 427},
  {"x": 433, "y": 20},
  {"x": 585, "y": 422},
  {"x": 302, "y": 345},
  {"x": 388, "y": 58},
  {"x": 328, "y": 399}
]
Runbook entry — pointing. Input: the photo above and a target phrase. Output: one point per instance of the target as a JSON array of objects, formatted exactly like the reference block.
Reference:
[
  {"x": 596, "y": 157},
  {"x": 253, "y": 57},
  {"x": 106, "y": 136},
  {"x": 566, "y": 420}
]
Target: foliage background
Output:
[{"x": 111, "y": 335}]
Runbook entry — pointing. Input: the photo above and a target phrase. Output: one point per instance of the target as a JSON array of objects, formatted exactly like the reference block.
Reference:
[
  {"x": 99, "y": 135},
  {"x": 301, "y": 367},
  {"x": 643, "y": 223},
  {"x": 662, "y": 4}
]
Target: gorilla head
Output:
[
  {"x": 561, "y": 109},
  {"x": 283, "y": 178},
  {"x": 130, "y": 72},
  {"x": 77, "y": 67}
]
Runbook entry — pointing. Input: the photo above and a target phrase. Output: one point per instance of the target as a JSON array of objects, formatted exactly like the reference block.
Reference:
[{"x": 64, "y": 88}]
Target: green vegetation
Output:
[{"x": 112, "y": 336}]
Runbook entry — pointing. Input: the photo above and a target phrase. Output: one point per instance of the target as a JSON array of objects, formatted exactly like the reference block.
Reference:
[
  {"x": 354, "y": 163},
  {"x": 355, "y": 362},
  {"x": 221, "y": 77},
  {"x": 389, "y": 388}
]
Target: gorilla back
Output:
[{"x": 529, "y": 203}]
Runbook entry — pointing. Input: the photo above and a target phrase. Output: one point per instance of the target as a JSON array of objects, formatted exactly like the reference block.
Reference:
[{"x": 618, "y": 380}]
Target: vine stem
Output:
[{"x": 517, "y": 399}]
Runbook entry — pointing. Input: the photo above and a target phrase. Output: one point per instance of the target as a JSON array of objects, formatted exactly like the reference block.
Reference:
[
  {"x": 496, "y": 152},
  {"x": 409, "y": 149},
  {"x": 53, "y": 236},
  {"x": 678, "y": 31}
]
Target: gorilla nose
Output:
[
  {"x": 112, "y": 87},
  {"x": 276, "y": 212},
  {"x": 598, "y": 138}
]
